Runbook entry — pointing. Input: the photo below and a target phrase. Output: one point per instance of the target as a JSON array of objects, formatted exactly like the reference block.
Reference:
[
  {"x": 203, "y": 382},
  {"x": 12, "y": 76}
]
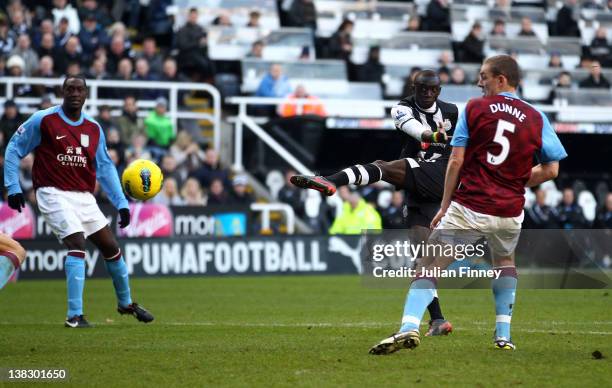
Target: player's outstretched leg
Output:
[
  {"x": 504, "y": 291},
  {"x": 115, "y": 265},
  {"x": 437, "y": 324},
  {"x": 12, "y": 255},
  {"x": 420, "y": 295}
]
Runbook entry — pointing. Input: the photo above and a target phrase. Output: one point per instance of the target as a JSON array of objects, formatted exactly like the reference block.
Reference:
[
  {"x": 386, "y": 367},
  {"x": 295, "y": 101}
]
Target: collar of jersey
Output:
[
  {"x": 507, "y": 94},
  {"x": 67, "y": 120},
  {"x": 431, "y": 109}
]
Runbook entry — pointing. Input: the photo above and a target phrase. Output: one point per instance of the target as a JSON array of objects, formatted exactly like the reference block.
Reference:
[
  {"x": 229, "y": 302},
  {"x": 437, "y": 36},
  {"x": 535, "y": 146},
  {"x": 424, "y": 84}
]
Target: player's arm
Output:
[
  {"x": 405, "y": 122},
  {"x": 106, "y": 174},
  {"x": 551, "y": 153},
  {"x": 455, "y": 162},
  {"x": 25, "y": 139}
]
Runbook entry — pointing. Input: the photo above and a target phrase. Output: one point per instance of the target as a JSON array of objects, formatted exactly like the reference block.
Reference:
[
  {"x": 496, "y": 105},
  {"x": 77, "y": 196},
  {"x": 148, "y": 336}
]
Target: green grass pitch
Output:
[{"x": 304, "y": 331}]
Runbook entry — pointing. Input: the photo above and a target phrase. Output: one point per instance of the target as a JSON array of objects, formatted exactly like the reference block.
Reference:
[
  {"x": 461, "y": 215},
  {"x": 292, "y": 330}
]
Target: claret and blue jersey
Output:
[
  {"x": 69, "y": 155},
  {"x": 502, "y": 134}
]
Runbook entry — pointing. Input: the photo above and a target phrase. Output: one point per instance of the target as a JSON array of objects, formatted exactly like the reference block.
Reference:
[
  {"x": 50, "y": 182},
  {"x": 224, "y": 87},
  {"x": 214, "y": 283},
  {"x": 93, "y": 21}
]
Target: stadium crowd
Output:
[{"x": 136, "y": 40}]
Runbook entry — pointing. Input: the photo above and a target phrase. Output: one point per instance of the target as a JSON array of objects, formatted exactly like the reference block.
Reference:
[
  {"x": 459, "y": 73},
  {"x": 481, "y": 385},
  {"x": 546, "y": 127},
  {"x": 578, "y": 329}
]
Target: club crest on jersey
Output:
[
  {"x": 446, "y": 125},
  {"x": 84, "y": 140},
  {"x": 21, "y": 129}
]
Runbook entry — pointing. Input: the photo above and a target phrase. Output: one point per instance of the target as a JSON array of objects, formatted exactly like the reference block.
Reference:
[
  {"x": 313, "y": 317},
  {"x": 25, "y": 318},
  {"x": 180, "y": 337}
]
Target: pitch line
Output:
[{"x": 371, "y": 325}]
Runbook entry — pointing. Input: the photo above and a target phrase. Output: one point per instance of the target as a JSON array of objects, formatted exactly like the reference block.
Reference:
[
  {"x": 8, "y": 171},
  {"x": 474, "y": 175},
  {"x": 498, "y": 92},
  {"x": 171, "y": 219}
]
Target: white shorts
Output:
[
  {"x": 69, "y": 212},
  {"x": 461, "y": 225}
]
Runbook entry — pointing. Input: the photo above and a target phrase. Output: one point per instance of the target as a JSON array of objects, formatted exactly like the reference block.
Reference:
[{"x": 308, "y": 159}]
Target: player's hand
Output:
[
  {"x": 124, "y": 217},
  {"x": 435, "y": 137},
  {"x": 436, "y": 220},
  {"x": 16, "y": 201}
]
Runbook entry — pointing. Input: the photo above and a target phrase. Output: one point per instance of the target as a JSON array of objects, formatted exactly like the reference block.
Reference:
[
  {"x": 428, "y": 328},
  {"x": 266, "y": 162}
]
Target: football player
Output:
[{"x": 12, "y": 255}]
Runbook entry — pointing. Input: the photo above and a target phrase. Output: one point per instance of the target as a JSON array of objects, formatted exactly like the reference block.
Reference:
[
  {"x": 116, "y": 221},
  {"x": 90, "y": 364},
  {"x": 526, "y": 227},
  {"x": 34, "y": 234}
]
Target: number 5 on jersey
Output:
[{"x": 502, "y": 126}]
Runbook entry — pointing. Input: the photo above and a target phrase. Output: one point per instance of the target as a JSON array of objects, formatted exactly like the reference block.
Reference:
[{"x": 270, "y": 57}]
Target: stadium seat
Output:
[
  {"x": 529, "y": 198},
  {"x": 384, "y": 199},
  {"x": 312, "y": 204},
  {"x": 553, "y": 196}
]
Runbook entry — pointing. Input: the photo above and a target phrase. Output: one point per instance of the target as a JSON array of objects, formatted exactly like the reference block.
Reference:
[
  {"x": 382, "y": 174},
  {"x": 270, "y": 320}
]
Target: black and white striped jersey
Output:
[{"x": 441, "y": 114}]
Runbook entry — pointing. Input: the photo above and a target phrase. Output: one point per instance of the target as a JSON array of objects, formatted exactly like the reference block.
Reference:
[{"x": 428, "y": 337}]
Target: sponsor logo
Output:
[
  {"x": 338, "y": 245},
  {"x": 145, "y": 177},
  {"x": 85, "y": 140},
  {"x": 148, "y": 220},
  {"x": 399, "y": 114},
  {"x": 21, "y": 129},
  {"x": 60, "y": 137},
  {"x": 15, "y": 224},
  {"x": 73, "y": 157}
]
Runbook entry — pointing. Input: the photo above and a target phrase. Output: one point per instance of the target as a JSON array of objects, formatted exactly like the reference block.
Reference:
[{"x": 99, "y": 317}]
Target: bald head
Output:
[{"x": 426, "y": 88}]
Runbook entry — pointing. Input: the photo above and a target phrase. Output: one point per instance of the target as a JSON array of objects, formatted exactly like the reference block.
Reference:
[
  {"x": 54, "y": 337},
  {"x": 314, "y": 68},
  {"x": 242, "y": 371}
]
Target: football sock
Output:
[
  {"x": 434, "y": 309},
  {"x": 420, "y": 295},
  {"x": 356, "y": 175},
  {"x": 118, "y": 271},
  {"x": 8, "y": 264},
  {"x": 504, "y": 291},
  {"x": 75, "y": 281}
]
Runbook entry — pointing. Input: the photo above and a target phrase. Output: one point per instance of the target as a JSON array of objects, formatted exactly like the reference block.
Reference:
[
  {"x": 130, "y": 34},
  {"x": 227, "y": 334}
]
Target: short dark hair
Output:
[
  {"x": 507, "y": 66},
  {"x": 74, "y": 76}
]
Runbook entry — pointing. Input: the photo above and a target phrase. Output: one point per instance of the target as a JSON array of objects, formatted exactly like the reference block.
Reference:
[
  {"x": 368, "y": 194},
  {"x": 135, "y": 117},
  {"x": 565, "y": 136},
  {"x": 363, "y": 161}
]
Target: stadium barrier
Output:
[{"x": 94, "y": 101}]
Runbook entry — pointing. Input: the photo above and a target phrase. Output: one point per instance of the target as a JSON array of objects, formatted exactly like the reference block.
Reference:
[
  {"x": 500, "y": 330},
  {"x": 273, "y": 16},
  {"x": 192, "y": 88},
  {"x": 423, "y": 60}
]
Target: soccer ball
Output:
[{"x": 142, "y": 179}]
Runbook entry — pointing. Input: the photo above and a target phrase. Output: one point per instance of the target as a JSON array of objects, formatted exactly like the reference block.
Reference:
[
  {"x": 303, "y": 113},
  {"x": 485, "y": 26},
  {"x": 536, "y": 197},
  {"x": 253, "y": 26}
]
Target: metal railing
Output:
[
  {"x": 94, "y": 102},
  {"x": 267, "y": 208}
]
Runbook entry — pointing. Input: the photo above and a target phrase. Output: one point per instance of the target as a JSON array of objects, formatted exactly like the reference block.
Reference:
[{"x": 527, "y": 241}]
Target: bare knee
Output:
[
  {"x": 75, "y": 241},
  {"x": 20, "y": 252}
]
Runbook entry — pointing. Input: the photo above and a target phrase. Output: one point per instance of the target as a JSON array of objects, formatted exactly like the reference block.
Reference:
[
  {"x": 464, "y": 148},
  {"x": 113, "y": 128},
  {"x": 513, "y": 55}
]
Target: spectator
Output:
[
  {"x": 240, "y": 195},
  {"x": 187, "y": 153},
  {"x": 254, "y": 17},
  {"x": 569, "y": 212},
  {"x": 473, "y": 45},
  {"x": 372, "y": 70},
  {"x": 540, "y": 215},
  {"x": 92, "y": 36},
  {"x": 25, "y": 51},
  {"x": 8, "y": 38},
  {"x": 169, "y": 169},
  {"x": 118, "y": 29},
  {"x": 290, "y": 194},
  {"x": 105, "y": 119},
  {"x": 91, "y": 8},
  {"x": 158, "y": 126},
  {"x": 408, "y": 88},
  {"x": 595, "y": 79},
  {"x": 113, "y": 143},
  {"x": 274, "y": 83},
  {"x": 45, "y": 102},
  {"x": 211, "y": 169},
  {"x": 192, "y": 47},
  {"x": 45, "y": 70},
  {"x": 564, "y": 81},
  {"x": 74, "y": 68},
  {"x": 223, "y": 20},
  {"x": 302, "y": 13},
  {"x": 445, "y": 59},
  {"x": 143, "y": 73},
  {"x": 444, "y": 75},
  {"x": 19, "y": 23},
  {"x": 16, "y": 67},
  {"x": 62, "y": 33},
  {"x": 393, "y": 217},
  {"x": 154, "y": 59},
  {"x": 499, "y": 28},
  {"x": 341, "y": 42},
  {"x": 160, "y": 22},
  {"x": 125, "y": 71},
  {"x": 217, "y": 194},
  {"x": 97, "y": 70},
  {"x": 63, "y": 10},
  {"x": 70, "y": 53},
  {"x": 438, "y": 16},
  {"x": 118, "y": 52},
  {"x": 47, "y": 47},
  {"x": 555, "y": 60},
  {"x": 10, "y": 121},
  {"x": 170, "y": 74},
  {"x": 414, "y": 24},
  {"x": 566, "y": 24},
  {"x": 169, "y": 194},
  {"x": 45, "y": 27},
  {"x": 129, "y": 123},
  {"x": 192, "y": 193},
  {"x": 526, "y": 27},
  {"x": 256, "y": 49},
  {"x": 603, "y": 220},
  {"x": 356, "y": 214},
  {"x": 290, "y": 108},
  {"x": 138, "y": 148},
  {"x": 600, "y": 48},
  {"x": 457, "y": 76}
]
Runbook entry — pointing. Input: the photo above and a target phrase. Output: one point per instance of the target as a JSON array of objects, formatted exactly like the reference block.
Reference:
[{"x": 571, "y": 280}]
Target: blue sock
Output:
[
  {"x": 504, "y": 291},
  {"x": 8, "y": 264},
  {"x": 75, "y": 281},
  {"x": 118, "y": 271},
  {"x": 419, "y": 296}
]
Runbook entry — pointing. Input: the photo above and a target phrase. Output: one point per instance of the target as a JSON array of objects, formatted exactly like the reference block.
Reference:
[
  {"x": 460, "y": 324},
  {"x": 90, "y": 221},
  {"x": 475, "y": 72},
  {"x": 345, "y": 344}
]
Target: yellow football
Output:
[{"x": 142, "y": 179}]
